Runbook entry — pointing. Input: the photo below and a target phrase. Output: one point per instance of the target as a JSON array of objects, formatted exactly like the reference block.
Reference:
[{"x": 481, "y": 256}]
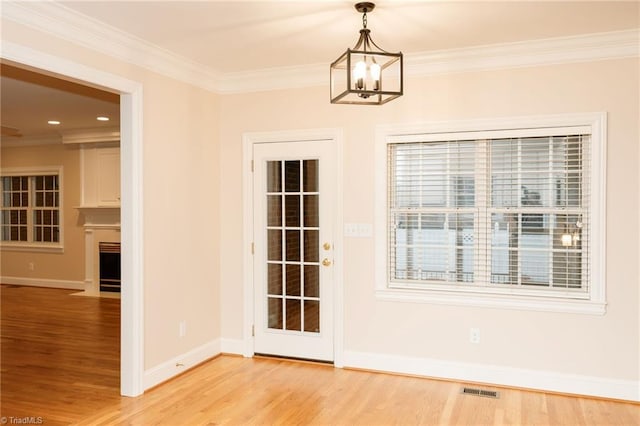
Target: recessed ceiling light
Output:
[
  {"x": 53, "y": 122},
  {"x": 102, "y": 118}
]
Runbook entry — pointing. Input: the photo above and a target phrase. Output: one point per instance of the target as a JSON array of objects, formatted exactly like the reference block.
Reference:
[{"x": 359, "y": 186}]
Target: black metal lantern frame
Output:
[{"x": 366, "y": 74}]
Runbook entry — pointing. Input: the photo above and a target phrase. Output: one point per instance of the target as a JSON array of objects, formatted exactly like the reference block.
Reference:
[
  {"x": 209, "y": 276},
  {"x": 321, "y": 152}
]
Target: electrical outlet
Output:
[
  {"x": 182, "y": 328},
  {"x": 474, "y": 335}
]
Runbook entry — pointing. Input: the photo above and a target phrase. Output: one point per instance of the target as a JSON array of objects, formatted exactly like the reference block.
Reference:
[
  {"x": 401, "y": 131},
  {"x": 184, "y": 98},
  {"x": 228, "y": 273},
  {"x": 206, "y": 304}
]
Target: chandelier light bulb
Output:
[
  {"x": 359, "y": 74},
  {"x": 375, "y": 75}
]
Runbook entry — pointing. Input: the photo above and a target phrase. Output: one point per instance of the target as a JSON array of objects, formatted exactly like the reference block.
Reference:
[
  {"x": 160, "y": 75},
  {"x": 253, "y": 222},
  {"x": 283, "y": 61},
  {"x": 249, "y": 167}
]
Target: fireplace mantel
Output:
[{"x": 100, "y": 217}]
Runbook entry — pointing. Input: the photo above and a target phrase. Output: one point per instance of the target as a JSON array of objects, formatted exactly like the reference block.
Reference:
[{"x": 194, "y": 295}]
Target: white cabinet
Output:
[{"x": 101, "y": 176}]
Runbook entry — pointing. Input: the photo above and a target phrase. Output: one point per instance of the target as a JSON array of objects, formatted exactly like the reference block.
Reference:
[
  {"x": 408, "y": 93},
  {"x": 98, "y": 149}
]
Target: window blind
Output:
[{"x": 502, "y": 213}]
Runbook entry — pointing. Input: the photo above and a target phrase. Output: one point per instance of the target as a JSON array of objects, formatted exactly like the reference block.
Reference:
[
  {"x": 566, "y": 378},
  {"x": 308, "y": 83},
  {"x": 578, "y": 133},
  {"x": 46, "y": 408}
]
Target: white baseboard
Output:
[
  {"x": 497, "y": 375},
  {"x": 232, "y": 346},
  {"x": 43, "y": 282},
  {"x": 180, "y": 364}
]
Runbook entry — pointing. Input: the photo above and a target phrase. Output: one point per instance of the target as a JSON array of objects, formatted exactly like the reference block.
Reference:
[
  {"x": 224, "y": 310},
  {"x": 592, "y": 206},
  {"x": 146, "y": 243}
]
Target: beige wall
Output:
[
  {"x": 601, "y": 346},
  {"x": 180, "y": 205},
  {"x": 67, "y": 266}
]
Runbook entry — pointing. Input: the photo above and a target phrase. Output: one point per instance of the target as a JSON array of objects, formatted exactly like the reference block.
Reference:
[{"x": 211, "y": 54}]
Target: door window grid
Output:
[
  {"x": 293, "y": 298},
  {"x": 528, "y": 227},
  {"x": 30, "y": 209}
]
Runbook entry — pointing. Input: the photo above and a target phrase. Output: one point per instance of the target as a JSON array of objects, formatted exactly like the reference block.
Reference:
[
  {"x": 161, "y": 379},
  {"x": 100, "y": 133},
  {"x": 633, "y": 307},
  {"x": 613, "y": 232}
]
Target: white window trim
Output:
[
  {"x": 592, "y": 303},
  {"x": 39, "y": 247}
]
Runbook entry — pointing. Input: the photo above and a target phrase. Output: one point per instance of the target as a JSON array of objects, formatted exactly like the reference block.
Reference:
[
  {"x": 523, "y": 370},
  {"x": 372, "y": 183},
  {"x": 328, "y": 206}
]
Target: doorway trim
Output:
[
  {"x": 132, "y": 303},
  {"x": 335, "y": 135}
]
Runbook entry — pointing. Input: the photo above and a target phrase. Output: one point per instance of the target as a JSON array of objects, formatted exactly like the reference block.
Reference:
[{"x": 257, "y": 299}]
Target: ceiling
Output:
[
  {"x": 29, "y": 100},
  {"x": 234, "y": 36},
  {"x": 230, "y": 37}
]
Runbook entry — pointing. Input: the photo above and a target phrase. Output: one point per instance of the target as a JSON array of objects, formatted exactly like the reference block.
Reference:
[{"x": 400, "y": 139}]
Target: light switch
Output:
[{"x": 358, "y": 230}]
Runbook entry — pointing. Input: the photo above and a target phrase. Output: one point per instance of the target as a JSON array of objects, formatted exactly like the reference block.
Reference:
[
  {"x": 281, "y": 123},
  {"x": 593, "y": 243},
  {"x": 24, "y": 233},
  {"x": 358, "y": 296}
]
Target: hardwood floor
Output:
[
  {"x": 60, "y": 353},
  {"x": 56, "y": 364}
]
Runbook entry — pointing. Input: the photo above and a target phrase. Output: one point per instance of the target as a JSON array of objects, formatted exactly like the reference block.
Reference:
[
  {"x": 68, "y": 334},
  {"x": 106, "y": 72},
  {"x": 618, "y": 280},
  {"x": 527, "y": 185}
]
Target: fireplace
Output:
[{"x": 109, "y": 266}]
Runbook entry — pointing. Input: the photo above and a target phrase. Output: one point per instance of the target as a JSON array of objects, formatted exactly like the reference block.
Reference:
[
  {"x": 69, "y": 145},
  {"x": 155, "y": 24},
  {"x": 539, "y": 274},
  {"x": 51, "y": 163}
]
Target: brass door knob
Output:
[
  {"x": 326, "y": 246},
  {"x": 326, "y": 262}
]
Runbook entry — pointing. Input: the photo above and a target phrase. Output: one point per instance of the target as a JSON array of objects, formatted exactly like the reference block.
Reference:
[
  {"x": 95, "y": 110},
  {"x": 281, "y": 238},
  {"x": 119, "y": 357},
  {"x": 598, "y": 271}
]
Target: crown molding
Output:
[
  {"x": 30, "y": 141},
  {"x": 83, "y": 136},
  {"x": 60, "y": 21},
  {"x": 552, "y": 51},
  {"x": 531, "y": 53}
]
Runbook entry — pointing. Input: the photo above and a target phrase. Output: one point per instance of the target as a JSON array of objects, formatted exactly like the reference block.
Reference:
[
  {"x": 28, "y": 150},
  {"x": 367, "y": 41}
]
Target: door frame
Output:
[
  {"x": 335, "y": 137},
  {"x": 132, "y": 295}
]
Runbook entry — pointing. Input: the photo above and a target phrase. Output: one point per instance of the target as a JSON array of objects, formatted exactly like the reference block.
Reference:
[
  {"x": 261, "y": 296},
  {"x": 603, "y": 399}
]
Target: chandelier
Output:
[{"x": 366, "y": 74}]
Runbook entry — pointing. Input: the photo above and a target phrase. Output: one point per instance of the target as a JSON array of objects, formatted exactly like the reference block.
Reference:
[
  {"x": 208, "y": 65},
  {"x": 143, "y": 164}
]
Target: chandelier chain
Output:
[{"x": 364, "y": 20}]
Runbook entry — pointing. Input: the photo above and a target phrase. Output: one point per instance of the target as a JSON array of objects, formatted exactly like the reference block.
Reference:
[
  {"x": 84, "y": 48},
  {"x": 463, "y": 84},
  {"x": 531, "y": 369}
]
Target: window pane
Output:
[
  {"x": 294, "y": 317},
  {"x": 50, "y": 182},
  {"x": 310, "y": 176},
  {"x": 567, "y": 269},
  {"x": 311, "y": 212},
  {"x": 535, "y": 267},
  {"x": 274, "y": 286},
  {"x": 293, "y": 245},
  {"x": 293, "y": 280},
  {"x": 311, "y": 246},
  {"x": 274, "y": 313},
  {"x": 274, "y": 177},
  {"x": 434, "y": 174},
  {"x": 312, "y": 316},
  {"x": 274, "y": 244},
  {"x": 434, "y": 247},
  {"x": 311, "y": 281},
  {"x": 292, "y": 209},
  {"x": 274, "y": 210},
  {"x": 292, "y": 176}
]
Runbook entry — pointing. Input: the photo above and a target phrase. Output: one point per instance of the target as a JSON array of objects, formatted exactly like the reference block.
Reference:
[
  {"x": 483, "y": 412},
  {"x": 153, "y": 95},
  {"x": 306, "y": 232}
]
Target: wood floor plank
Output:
[{"x": 60, "y": 361}]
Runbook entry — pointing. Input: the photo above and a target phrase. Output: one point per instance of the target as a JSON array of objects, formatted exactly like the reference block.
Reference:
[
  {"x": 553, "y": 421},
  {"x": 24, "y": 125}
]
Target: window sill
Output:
[
  {"x": 33, "y": 247},
  {"x": 487, "y": 300}
]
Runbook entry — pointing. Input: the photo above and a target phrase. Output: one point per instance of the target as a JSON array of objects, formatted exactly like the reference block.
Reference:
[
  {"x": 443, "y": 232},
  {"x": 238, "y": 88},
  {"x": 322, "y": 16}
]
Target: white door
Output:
[{"x": 294, "y": 185}]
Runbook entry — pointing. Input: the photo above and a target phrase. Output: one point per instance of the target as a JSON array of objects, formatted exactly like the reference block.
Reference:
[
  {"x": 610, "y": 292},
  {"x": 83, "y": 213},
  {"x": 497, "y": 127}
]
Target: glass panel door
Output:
[
  {"x": 292, "y": 262},
  {"x": 293, "y": 256}
]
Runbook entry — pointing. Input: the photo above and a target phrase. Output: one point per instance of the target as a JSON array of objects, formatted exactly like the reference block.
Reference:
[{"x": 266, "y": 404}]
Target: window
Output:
[
  {"x": 506, "y": 213},
  {"x": 31, "y": 211}
]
